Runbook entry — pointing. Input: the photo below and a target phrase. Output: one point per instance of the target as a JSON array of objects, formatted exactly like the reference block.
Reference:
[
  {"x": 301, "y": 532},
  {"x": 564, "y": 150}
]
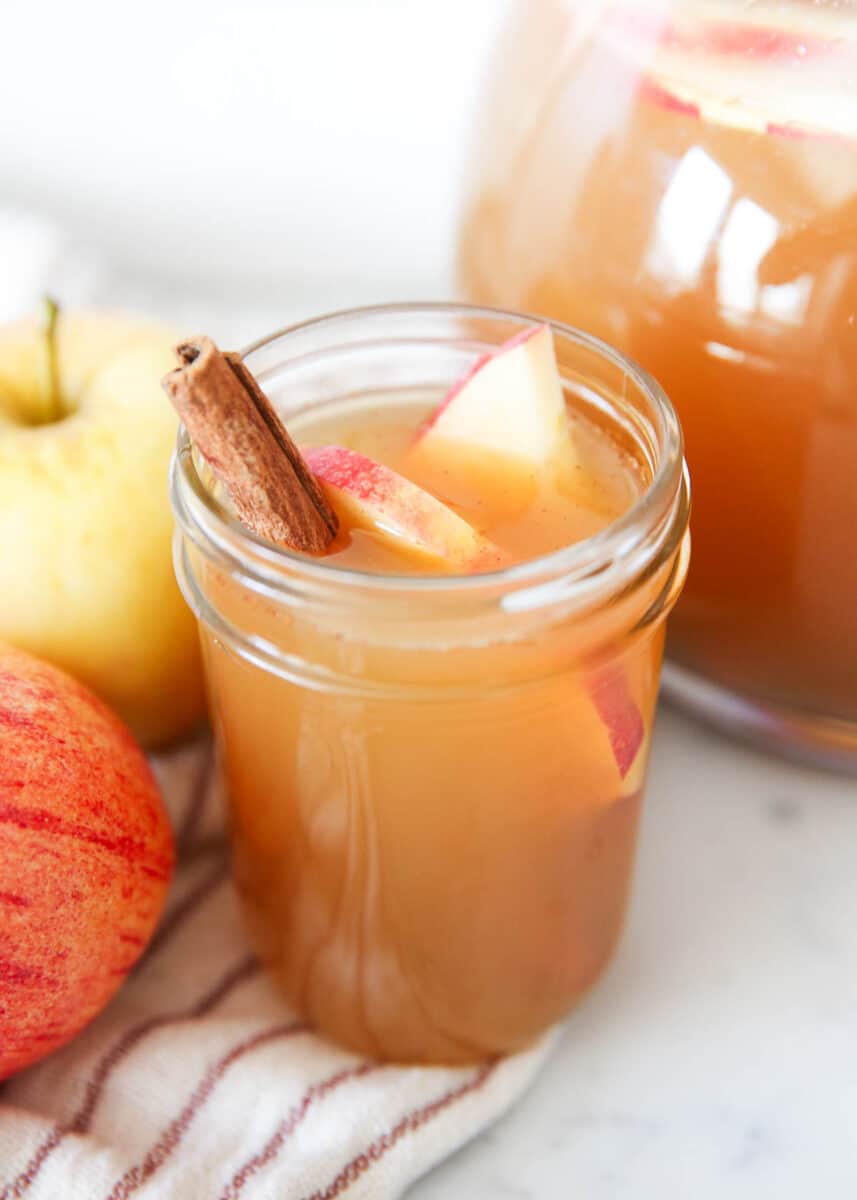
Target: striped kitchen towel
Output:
[{"x": 197, "y": 1081}]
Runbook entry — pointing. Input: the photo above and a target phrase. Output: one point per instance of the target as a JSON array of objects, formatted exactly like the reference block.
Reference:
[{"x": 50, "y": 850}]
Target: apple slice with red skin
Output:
[
  {"x": 618, "y": 710},
  {"x": 717, "y": 38},
  {"x": 709, "y": 41},
  {"x": 510, "y": 402},
  {"x": 365, "y": 494}
]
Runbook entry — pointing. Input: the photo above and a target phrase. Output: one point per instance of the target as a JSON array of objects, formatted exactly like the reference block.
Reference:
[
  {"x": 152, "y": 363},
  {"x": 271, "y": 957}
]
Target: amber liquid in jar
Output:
[
  {"x": 686, "y": 188},
  {"x": 434, "y": 857}
]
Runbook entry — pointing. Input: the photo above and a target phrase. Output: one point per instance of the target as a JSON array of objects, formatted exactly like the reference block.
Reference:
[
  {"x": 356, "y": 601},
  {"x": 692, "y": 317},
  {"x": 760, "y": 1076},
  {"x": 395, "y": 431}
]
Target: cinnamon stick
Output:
[{"x": 236, "y": 429}]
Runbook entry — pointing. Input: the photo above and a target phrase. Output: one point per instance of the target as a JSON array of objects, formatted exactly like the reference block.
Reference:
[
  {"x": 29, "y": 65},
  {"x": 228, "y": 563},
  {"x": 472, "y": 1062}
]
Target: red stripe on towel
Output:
[
  {"x": 185, "y": 908},
  {"x": 411, "y": 1123},
  {"x": 170, "y": 1139},
  {"x": 196, "y": 805},
  {"x": 82, "y": 1119},
  {"x": 290, "y": 1122}
]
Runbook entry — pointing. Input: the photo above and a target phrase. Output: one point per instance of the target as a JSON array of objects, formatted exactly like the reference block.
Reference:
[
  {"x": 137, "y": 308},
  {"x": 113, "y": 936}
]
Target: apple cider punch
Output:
[
  {"x": 679, "y": 177},
  {"x": 432, "y": 618}
]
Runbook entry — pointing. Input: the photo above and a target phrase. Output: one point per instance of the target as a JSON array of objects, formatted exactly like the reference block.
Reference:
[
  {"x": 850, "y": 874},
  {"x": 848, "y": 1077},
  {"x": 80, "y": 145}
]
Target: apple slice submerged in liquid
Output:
[
  {"x": 622, "y": 718},
  {"x": 365, "y": 494},
  {"x": 511, "y": 404}
]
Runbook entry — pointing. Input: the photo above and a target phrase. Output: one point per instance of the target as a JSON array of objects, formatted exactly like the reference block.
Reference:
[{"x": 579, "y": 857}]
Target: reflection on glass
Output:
[
  {"x": 747, "y": 236},
  {"x": 689, "y": 216}
]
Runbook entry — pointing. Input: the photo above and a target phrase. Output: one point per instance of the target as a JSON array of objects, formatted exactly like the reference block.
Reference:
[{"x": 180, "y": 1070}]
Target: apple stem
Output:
[{"x": 50, "y": 317}]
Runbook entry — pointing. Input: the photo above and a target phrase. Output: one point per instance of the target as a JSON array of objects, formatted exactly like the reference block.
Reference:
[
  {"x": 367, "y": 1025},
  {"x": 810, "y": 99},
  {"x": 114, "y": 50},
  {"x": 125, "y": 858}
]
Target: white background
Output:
[{"x": 255, "y": 148}]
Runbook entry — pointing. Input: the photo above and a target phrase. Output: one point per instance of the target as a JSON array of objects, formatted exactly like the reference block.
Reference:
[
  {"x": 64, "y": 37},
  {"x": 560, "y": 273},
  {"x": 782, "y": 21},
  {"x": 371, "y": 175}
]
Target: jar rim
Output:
[{"x": 654, "y": 523}]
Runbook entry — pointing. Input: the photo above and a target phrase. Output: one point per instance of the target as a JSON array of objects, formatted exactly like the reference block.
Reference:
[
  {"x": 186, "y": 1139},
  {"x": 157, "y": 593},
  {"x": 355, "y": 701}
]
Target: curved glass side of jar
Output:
[
  {"x": 681, "y": 179},
  {"x": 434, "y": 783}
]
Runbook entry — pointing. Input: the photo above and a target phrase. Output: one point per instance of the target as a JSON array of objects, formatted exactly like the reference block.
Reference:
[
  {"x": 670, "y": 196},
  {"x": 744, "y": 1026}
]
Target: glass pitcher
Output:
[{"x": 679, "y": 177}]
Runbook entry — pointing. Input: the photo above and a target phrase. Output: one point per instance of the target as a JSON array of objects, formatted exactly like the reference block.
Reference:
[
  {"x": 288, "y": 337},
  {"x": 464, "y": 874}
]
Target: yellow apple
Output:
[{"x": 86, "y": 576}]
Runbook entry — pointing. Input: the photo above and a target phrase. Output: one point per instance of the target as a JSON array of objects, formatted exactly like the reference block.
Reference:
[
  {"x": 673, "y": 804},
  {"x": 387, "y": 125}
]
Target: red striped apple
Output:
[
  {"x": 86, "y": 855},
  {"x": 365, "y": 494}
]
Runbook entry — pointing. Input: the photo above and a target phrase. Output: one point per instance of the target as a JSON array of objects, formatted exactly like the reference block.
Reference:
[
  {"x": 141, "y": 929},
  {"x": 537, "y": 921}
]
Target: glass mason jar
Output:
[
  {"x": 679, "y": 177},
  {"x": 434, "y": 781}
]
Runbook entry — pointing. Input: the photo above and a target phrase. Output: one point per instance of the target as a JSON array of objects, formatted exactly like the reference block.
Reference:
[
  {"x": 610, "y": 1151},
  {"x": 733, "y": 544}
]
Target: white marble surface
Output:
[{"x": 718, "y": 1057}]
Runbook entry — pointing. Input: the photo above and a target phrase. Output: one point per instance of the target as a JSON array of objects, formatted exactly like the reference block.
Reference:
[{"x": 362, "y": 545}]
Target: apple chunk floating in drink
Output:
[
  {"x": 433, "y": 701},
  {"x": 510, "y": 402},
  {"x": 368, "y": 495}
]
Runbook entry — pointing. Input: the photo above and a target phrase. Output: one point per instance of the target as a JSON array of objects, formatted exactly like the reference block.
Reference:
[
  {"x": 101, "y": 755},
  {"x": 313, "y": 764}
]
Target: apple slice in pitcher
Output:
[{"x": 510, "y": 407}]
